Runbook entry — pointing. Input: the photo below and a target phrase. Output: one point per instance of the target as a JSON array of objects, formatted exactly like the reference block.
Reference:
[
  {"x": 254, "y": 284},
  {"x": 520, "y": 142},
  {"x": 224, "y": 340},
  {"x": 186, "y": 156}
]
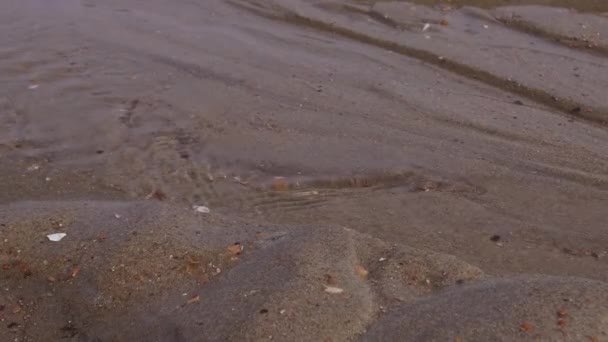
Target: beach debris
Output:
[
  {"x": 282, "y": 312},
  {"x": 518, "y": 102},
  {"x": 495, "y": 238},
  {"x": 51, "y": 279},
  {"x": 117, "y": 216},
  {"x": 361, "y": 271},
  {"x": 426, "y": 27},
  {"x": 33, "y": 167},
  {"x": 201, "y": 209},
  {"x": 443, "y": 22},
  {"x": 192, "y": 265},
  {"x": 157, "y": 195},
  {"x": 427, "y": 186},
  {"x": 235, "y": 249},
  {"x": 264, "y": 311},
  {"x": 280, "y": 184},
  {"x": 333, "y": 290},
  {"x": 25, "y": 269},
  {"x": 382, "y": 259},
  {"x": 486, "y": 26},
  {"x": 526, "y": 327},
  {"x": 75, "y": 272},
  {"x": 56, "y": 237},
  {"x": 216, "y": 269},
  {"x": 33, "y": 87},
  {"x": 239, "y": 180},
  {"x": 562, "y": 322},
  {"x": 306, "y": 193},
  {"x": 48, "y": 179},
  {"x": 194, "y": 299},
  {"x": 562, "y": 313}
]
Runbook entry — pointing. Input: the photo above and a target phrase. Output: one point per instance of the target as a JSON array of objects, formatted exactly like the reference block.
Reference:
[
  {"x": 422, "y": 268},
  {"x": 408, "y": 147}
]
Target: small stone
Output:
[
  {"x": 236, "y": 248},
  {"x": 280, "y": 184},
  {"x": 526, "y": 327},
  {"x": 361, "y": 271}
]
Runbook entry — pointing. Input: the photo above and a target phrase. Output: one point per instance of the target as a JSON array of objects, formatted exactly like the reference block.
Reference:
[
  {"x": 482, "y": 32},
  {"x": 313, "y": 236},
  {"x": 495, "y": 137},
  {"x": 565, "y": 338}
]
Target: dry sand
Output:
[{"x": 374, "y": 170}]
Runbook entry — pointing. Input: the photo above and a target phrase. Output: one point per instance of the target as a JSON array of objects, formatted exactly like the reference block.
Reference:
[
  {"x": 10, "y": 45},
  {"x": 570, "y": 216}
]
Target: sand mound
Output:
[
  {"x": 127, "y": 271},
  {"x": 523, "y": 308},
  {"x": 145, "y": 270}
]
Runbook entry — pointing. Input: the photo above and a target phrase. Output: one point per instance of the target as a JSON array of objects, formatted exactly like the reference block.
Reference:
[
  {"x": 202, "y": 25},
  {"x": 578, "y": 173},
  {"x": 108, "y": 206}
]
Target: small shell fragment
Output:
[
  {"x": 333, "y": 290},
  {"x": 201, "y": 209},
  {"x": 56, "y": 237}
]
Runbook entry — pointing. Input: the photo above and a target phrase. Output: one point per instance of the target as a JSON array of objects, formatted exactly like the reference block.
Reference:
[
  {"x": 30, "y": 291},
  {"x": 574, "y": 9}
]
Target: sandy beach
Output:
[{"x": 298, "y": 170}]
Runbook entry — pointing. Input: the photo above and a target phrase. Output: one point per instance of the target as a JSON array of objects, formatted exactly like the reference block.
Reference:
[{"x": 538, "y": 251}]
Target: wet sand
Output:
[{"x": 374, "y": 171}]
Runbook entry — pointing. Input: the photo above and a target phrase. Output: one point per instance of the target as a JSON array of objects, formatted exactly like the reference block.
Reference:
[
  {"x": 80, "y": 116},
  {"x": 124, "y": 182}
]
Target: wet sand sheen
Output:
[
  {"x": 587, "y": 6},
  {"x": 368, "y": 176}
]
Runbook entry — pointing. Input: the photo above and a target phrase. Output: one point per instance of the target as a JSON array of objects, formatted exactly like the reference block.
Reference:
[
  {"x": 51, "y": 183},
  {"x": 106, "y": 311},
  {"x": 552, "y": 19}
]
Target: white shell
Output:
[{"x": 56, "y": 237}]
